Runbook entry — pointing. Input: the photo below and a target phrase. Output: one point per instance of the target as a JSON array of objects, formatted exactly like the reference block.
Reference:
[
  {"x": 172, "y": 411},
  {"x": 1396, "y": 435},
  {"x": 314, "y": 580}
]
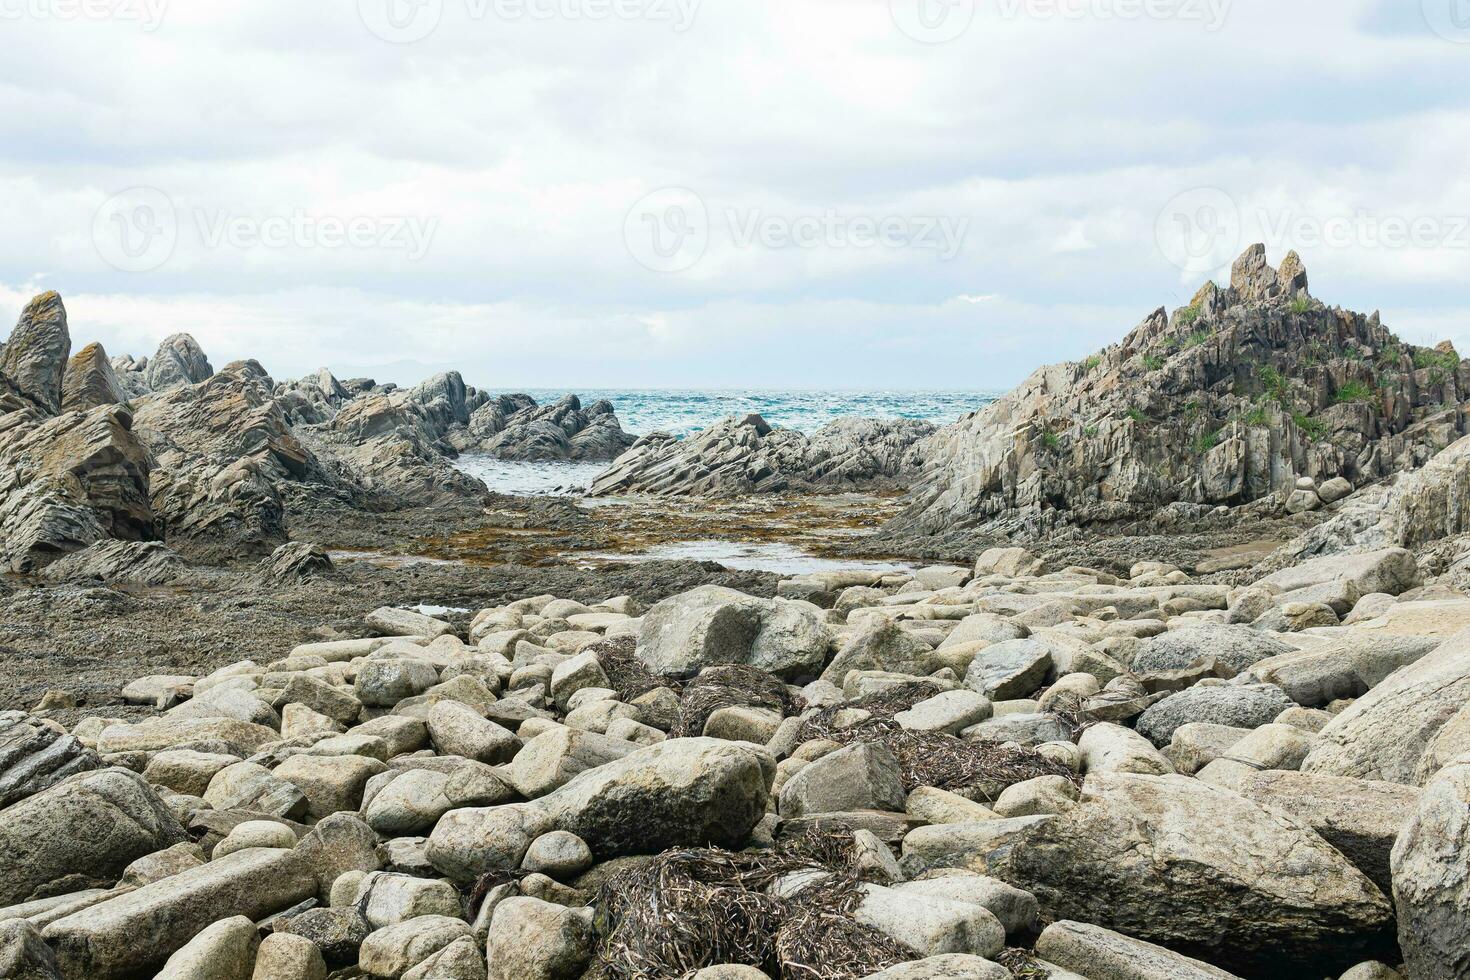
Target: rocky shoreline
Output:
[
  {"x": 1186, "y": 694},
  {"x": 994, "y": 771}
]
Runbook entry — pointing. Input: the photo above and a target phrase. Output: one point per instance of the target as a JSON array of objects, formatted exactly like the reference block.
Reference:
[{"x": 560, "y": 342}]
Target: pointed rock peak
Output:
[
  {"x": 1252, "y": 274},
  {"x": 1254, "y": 281},
  {"x": 1292, "y": 275},
  {"x": 34, "y": 359},
  {"x": 90, "y": 381},
  {"x": 179, "y": 361}
]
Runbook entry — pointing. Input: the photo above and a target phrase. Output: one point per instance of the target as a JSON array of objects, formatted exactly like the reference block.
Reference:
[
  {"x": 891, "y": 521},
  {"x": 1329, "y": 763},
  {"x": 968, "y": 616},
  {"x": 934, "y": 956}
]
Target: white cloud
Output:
[{"x": 518, "y": 145}]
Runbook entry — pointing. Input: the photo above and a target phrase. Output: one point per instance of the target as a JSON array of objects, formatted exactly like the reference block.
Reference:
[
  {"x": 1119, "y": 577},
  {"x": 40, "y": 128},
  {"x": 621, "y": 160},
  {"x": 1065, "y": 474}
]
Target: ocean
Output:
[{"x": 684, "y": 412}]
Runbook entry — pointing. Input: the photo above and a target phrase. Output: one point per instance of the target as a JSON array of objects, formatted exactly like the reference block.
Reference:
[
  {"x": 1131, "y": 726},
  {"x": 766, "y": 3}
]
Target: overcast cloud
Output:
[{"x": 728, "y": 193}]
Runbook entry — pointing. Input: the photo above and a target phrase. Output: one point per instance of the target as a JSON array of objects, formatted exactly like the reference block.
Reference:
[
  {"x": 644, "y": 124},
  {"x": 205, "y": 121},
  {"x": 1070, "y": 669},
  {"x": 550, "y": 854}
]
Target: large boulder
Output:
[
  {"x": 24, "y": 955},
  {"x": 82, "y": 832},
  {"x": 1389, "y": 570},
  {"x": 1360, "y": 817},
  {"x": 679, "y": 793},
  {"x": 1245, "y": 706},
  {"x": 34, "y": 757},
  {"x": 119, "y": 562},
  {"x": 34, "y": 358},
  {"x": 1182, "y": 864},
  {"x": 1384, "y": 733},
  {"x": 712, "y": 625},
  {"x": 1232, "y": 647},
  {"x": 1107, "y": 955},
  {"x": 1431, "y": 889},
  {"x": 883, "y": 646},
  {"x": 133, "y": 933}
]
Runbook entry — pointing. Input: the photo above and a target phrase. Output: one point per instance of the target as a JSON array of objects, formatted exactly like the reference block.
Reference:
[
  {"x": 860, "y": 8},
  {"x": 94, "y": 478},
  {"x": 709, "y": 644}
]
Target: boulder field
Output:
[{"x": 992, "y": 771}]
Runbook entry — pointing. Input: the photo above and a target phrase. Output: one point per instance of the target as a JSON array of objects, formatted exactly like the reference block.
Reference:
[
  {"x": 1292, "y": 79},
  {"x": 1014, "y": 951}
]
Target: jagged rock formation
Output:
[
  {"x": 179, "y": 361},
  {"x": 68, "y": 481},
  {"x": 1226, "y": 401},
  {"x": 514, "y": 427},
  {"x": 90, "y": 381},
  {"x": 741, "y": 456},
  {"x": 222, "y": 447},
  {"x": 34, "y": 360},
  {"x": 96, "y": 451},
  {"x": 133, "y": 562}
]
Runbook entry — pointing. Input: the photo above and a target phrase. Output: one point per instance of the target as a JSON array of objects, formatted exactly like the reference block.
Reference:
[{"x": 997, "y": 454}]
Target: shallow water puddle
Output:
[
  {"x": 530, "y": 479},
  {"x": 746, "y": 556}
]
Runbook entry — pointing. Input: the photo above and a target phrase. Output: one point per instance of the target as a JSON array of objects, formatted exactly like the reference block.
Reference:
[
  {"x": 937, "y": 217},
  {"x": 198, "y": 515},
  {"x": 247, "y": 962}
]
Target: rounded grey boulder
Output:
[
  {"x": 1239, "y": 707},
  {"x": 1232, "y": 647}
]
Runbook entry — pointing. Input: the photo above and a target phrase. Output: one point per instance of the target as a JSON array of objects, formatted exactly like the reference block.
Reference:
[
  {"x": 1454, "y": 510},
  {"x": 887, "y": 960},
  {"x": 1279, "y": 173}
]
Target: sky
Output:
[{"x": 719, "y": 193}]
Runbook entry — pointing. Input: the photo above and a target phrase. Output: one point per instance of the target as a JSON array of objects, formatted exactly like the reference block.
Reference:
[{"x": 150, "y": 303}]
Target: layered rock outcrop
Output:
[
  {"x": 514, "y": 427},
  {"x": 1226, "y": 401},
  {"x": 96, "y": 450},
  {"x": 34, "y": 359},
  {"x": 747, "y": 455}
]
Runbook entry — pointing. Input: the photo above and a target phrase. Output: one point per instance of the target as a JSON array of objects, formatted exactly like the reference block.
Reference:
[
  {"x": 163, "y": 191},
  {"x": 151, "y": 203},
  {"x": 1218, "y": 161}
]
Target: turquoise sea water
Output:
[{"x": 683, "y": 412}]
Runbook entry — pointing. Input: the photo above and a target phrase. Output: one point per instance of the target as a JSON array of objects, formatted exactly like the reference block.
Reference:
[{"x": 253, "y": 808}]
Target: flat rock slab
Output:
[
  {"x": 138, "y": 931},
  {"x": 1106, "y": 955}
]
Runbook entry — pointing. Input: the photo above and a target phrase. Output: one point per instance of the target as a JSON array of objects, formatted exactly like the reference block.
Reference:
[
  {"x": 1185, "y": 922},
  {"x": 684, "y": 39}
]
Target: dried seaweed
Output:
[
  {"x": 1022, "y": 964},
  {"x": 977, "y": 768},
  {"x": 732, "y": 685},
  {"x": 1071, "y": 708},
  {"x": 627, "y": 674},
  {"x": 689, "y": 909},
  {"x": 488, "y": 882}
]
